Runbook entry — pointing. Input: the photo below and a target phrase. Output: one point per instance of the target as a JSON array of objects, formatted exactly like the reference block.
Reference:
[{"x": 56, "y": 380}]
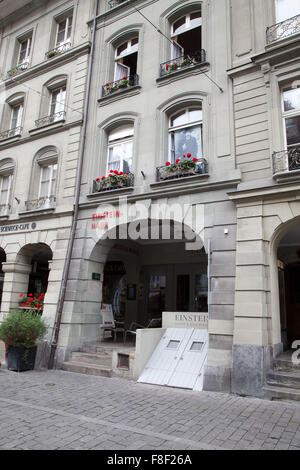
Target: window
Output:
[
  {"x": 47, "y": 182},
  {"x": 57, "y": 103},
  {"x": 16, "y": 116},
  {"x": 185, "y": 133},
  {"x": 6, "y": 175},
  {"x": 24, "y": 51},
  {"x": 63, "y": 35},
  {"x": 186, "y": 35},
  {"x": 286, "y": 9},
  {"x": 43, "y": 180},
  {"x": 120, "y": 144},
  {"x": 126, "y": 59},
  {"x": 291, "y": 116}
]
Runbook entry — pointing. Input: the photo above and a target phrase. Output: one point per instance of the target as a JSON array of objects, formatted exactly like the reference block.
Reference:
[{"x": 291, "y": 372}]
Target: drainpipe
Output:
[
  {"x": 208, "y": 278},
  {"x": 62, "y": 292}
]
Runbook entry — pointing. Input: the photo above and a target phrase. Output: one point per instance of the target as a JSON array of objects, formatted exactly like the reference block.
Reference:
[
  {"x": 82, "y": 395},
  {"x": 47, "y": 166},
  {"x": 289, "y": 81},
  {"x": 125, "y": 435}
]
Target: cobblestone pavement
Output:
[{"x": 64, "y": 410}]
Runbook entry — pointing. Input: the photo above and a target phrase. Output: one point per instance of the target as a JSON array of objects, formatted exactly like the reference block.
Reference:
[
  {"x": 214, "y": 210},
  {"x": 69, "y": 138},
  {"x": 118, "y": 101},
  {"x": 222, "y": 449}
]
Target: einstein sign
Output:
[{"x": 185, "y": 320}]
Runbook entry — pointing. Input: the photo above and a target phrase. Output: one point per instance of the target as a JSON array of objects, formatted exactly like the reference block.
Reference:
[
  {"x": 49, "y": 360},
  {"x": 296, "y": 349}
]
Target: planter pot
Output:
[{"x": 20, "y": 358}]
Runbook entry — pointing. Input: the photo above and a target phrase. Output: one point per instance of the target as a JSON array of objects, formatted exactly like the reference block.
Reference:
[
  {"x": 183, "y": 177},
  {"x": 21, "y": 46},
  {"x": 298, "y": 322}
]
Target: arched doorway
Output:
[
  {"x": 288, "y": 255},
  {"x": 2, "y": 260},
  {"x": 37, "y": 257},
  {"x": 144, "y": 277}
]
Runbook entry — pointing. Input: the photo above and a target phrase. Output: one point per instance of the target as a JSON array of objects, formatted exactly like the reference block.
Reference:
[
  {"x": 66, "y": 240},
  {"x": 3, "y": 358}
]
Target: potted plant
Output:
[
  {"x": 52, "y": 53},
  {"x": 115, "y": 179},
  {"x": 123, "y": 83},
  {"x": 181, "y": 167},
  {"x": 20, "y": 331},
  {"x": 12, "y": 72}
]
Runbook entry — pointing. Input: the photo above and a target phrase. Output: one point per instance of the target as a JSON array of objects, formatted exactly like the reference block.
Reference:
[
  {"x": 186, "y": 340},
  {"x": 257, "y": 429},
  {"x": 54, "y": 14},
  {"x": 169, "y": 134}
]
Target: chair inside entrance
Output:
[
  {"x": 109, "y": 324},
  {"x": 152, "y": 323}
]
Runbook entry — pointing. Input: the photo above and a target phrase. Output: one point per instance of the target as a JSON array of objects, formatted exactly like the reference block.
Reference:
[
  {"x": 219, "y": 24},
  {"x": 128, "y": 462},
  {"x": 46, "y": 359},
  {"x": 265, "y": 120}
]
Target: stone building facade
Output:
[
  {"x": 43, "y": 62},
  {"x": 218, "y": 80}
]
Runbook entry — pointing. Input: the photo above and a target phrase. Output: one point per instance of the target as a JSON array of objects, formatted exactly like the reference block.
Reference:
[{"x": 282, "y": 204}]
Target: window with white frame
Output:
[
  {"x": 126, "y": 56},
  {"x": 63, "y": 34},
  {"x": 16, "y": 116},
  {"x": 24, "y": 51},
  {"x": 186, "y": 35},
  {"x": 185, "y": 133},
  {"x": 47, "y": 185},
  {"x": 286, "y": 9},
  {"x": 57, "y": 103},
  {"x": 119, "y": 151},
  {"x": 5, "y": 188},
  {"x": 291, "y": 116}
]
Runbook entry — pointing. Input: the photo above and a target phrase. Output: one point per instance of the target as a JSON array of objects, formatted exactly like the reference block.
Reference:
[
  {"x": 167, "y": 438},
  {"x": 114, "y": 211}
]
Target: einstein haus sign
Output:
[{"x": 185, "y": 320}]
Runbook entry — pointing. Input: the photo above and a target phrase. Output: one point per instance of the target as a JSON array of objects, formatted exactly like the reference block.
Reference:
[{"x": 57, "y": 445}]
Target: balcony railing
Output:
[
  {"x": 182, "y": 62},
  {"x": 182, "y": 169},
  {"x": 120, "y": 85},
  {"x": 18, "y": 69},
  {"x": 11, "y": 133},
  {"x": 4, "y": 209},
  {"x": 283, "y": 29},
  {"x": 58, "y": 50},
  {"x": 113, "y": 182},
  {"x": 114, "y": 3},
  {"x": 44, "y": 121},
  {"x": 287, "y": 160},
  {"x": 46, "y": 202}
]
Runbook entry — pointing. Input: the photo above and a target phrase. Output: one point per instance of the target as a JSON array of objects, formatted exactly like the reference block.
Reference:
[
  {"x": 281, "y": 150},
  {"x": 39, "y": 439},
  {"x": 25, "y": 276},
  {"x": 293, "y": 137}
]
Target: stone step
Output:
[
  {"x": 84, "y": 368},
  {"x": 92, "y": 358},
  {"x": 282, "y": 393}
]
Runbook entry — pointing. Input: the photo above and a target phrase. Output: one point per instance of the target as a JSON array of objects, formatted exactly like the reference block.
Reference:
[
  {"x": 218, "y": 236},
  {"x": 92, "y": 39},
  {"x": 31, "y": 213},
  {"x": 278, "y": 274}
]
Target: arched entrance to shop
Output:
[
  {"x": 2, "y": 260},
  {"x": 288, "y": 256},
  {"x": 144, "y": 277},
  {"x": 37, "y": 257}
]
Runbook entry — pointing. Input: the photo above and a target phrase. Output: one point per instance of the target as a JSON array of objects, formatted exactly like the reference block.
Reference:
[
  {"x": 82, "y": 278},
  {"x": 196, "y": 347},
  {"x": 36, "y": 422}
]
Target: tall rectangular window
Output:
[
  {"x": 24, "y": 51},
  {"x": 5, "y": 185},
  {"x": 64, "y": 29},
  {"x": 120, "y": 143},
  {"x": 16, "y": 116},
  {"x": 48, "y": 181},
  {"x": 291, "y": 116},
  {"x": 57, "y": 103}
]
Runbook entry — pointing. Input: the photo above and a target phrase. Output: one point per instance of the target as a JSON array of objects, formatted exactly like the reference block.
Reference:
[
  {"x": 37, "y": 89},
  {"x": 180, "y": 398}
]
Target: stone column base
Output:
[
  {"x": 217, "y": 379},
  {"x": 249, "y": 366}
]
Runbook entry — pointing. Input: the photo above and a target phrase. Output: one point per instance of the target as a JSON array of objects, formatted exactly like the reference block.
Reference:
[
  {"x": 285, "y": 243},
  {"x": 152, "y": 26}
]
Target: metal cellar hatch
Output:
[{"x": 178, "y": 360}]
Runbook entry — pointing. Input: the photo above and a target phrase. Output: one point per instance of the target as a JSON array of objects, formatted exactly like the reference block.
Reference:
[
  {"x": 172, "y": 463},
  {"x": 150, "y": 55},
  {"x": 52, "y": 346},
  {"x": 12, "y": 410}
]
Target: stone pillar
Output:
[
  {"x": 16, "y": 276},
  {"x": 252, "y": 318}
]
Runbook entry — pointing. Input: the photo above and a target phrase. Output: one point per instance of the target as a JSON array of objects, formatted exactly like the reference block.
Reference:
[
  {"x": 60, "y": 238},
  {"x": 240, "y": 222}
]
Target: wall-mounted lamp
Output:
[
  {"x": 144, "y": 176},
  {"x": 18, "y": 200}
]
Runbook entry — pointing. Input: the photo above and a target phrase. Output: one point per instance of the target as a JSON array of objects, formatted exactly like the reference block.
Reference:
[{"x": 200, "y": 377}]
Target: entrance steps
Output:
[
  {"x": 97, "y": 359},
  {"x": 283, "y": 381}
]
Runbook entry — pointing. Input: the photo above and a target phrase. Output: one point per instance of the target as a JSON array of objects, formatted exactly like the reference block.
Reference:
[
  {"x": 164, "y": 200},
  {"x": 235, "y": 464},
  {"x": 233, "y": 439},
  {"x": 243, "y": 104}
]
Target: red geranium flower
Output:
[
  {"x": 121, "y": 173},
  {"x": 110, "y": 171},
  {"x": 106, "y": 84},
  {"x": 103, "y": 178},
  {"x": 27, "y": 303},
  {"x": 30, "y": 295},
  {"x": 188, "y": 155},
  {"x": 195, "y": 160},
  {"x": 178, "y": 160},
  {"x": 167, "y": 67},
  {"x": 21, "y": 295},
  {"x": 38, "y": 306},
  {"x": 97, "y": 179},
  {"x": 116, "y": 172},
  {"x": 168, "y": 163},
  {"x": 124, "y": 78}
]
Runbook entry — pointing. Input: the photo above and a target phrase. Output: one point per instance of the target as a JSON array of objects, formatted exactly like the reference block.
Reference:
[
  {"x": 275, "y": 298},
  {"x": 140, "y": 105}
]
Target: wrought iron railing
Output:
[
  {"x": 283, "y": 29},
  {"x": 114, "y": 182},
  {"x": 287, "y": 160},
  {"x": 4, "y": 209},
  {"x": 46, "y": 202},
  {"x": 11, "y": 133},
  {"x": 115, "y": 3},
  {"x": 18, "y": 69},
  {"x": 58, "y": 50},
  {"x": 182, "y": 170},
  {"x": 182, "y": 62},
  {"x": 120, "y": 85},
  {"x": 44, "y": 121}
]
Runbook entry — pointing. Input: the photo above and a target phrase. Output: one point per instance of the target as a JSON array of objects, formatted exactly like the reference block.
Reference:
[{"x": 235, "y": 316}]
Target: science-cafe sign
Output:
[{"x": 17, "y": 227}]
